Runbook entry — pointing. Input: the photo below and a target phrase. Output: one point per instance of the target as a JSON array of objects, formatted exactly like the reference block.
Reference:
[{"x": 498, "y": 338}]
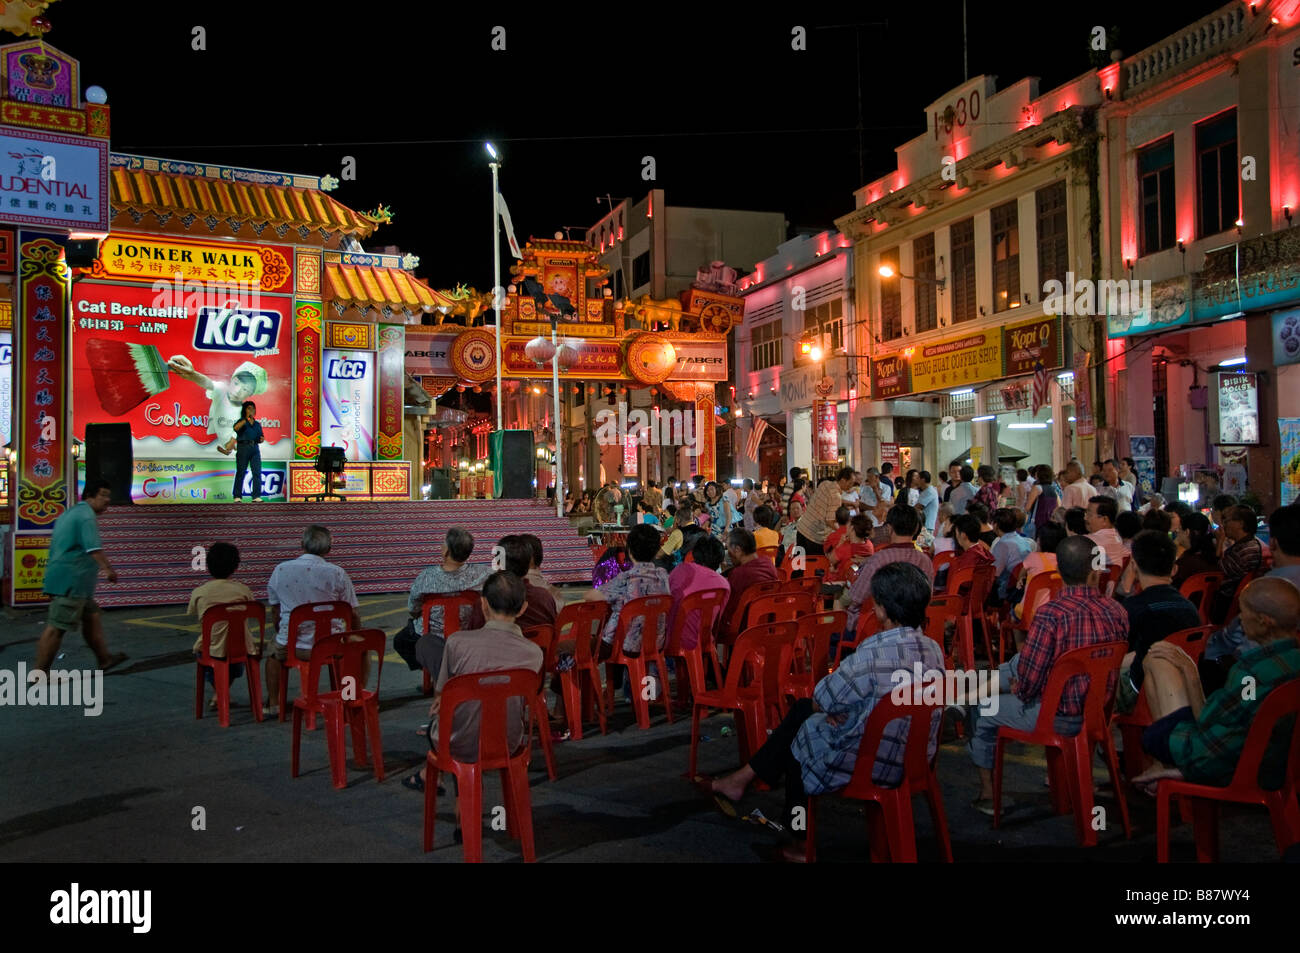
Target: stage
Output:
[{"x": 158, "y": 550}]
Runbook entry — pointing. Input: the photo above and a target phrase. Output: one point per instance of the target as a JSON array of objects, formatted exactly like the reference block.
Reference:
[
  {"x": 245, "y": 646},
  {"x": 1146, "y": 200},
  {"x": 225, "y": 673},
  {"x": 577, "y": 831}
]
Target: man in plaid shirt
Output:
[
  {"x": 1076, "y": 618},
  {"x": 1201, "y": 739},
  {"x": 815, "y": 748}
]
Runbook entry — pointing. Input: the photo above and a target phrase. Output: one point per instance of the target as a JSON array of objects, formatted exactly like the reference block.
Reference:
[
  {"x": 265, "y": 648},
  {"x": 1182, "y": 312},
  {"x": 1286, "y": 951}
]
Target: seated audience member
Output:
[
  {"x": 1076, "y": 521},
  {"x": 1100, "y": 521},
  {"x": 1179, "y": 511},
  {"x": 1195, "y": 543},
  {"x": 670, "y": 513},
  {"x": 1157, "y": 611},
  {"x": 981, "y": 513},
  {"x": 535, "y": 577},
  {"x": 1079, "y": 616},
  {"x": 1242, "y": 555},
  {"x": 1043, "y": 559},
  {"x": 747, "y": 567},
  {"x": 1159, "y": 521},
  {"x": 220, "y": 590},
  {"x": 836, "y": 536},
  {"x": 496, "y": 645},
  {"x": 764, "y": 534},
  {"x": 852, "y": 550},
  {"x": 669, "y": 553},
  {"x": 1219, "y": 507},
  {"x": 298, "y": 582},
  {"x": 790, "y": 531},
  {"x": 814, "y": 749},
  {"x": 904, "y": 523},
  {"x": 1154, "y": 503},
  {"x": 1009, "y": 549},
  {"x": 972, "y": 549},
  {"x": 450, "y": 574},
  {"x": 646, "y": 513},
  {"x": 943, "y": 541},
  {"x": 1225, "y": 646},
  {"x": 1199, "y": 738},
  {"x": 1128, "y": 524},
  {"x": 643, "y": 579},
  {"x": 540, "y": 608},
  {"x": 696, "y": 575}
]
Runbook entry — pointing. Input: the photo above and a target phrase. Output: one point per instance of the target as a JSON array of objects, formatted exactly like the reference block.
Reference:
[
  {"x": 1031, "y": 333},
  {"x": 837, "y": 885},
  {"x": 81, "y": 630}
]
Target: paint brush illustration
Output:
[{"x": 125, "y": 375}]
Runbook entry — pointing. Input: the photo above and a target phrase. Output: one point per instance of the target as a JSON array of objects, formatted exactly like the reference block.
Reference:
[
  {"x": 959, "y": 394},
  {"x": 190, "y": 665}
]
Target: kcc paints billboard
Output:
[
  {"x": 177, "y": 370},
  {"x": 348, "y": 393}
]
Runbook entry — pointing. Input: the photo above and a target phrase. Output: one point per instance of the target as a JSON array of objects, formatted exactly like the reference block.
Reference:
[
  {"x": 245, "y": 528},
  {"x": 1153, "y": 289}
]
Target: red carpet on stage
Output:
[{"x": 383, "y": 546}]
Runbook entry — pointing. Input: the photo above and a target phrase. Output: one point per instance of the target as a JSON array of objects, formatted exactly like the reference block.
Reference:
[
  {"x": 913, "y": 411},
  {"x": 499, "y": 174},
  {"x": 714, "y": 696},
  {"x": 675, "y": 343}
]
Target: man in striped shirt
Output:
[
  {"x": 819, "y": 517},
  {"x": 1080, "y": 616}
]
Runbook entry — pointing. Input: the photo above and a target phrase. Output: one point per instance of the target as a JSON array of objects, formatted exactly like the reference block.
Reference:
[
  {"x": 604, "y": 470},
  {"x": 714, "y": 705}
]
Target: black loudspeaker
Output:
[
  {"x": 517, "y": 464},
  {"x": 440, "y": 484},
  {"x": 108, "y": 457},
  {"x": 81, "y": 252}
]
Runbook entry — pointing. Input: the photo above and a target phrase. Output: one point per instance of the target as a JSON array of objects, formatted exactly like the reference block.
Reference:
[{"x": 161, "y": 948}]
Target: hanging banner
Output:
[
  {"x": 889, "y": 454},
  {"x": 392, "y": 391},
  {"x": 826, "y": 432},
  {"x": 1233, "y": 461},
  {"x": 348, "y": 402},
  {"x": 196, "y": 481},
  {"x": 1234, "y": 411},
  {"x": 306, "y": 345},
  {"x": 1289, "y": 428},
  {"x": 1143, "y": 451},
  {"x": 706, "y": 437},
  {"x": 6, "y": 385},
  {"x": 42, "y": 438},
  {"x": 178, "y": 371},
  {"x": 1085, "y": 423}
]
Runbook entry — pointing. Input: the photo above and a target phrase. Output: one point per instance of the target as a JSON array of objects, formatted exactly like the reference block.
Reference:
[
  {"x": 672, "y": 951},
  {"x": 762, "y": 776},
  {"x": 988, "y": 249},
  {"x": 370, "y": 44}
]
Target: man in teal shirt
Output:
[{"x": 76, "y": 557}]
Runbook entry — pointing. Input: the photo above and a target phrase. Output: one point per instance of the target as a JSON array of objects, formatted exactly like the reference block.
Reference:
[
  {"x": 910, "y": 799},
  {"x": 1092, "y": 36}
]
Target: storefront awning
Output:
[
  {"x": 216, "y": 202},
  {"x": 385, "y": 289}
]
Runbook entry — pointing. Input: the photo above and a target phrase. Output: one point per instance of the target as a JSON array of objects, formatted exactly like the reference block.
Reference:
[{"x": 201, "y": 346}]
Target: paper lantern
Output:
[
  {"x": 568, "y": 355},
  {"x": 540, "y": 350}
]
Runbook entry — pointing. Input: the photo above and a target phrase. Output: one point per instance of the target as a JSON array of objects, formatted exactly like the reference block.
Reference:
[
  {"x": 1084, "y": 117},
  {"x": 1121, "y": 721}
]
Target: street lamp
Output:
[
  {"x": 887, "y": 271},
  {"x": 495, "y": 165}
]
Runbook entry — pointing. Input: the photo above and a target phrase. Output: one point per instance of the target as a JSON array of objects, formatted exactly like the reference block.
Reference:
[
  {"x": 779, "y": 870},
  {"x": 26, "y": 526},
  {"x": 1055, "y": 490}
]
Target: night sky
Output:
[{"x": 732, "y": 115}]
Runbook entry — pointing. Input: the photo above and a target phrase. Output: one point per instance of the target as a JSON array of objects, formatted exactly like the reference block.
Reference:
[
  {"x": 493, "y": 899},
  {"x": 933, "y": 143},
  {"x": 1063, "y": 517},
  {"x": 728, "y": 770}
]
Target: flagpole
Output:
[
  {"x": 559, "y": 424},
  {"x": 496, "y": 282}
]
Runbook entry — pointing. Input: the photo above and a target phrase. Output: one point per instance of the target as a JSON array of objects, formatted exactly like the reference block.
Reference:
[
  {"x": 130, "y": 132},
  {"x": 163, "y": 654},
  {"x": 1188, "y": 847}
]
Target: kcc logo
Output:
[
  {"x": 232, "y": 329},
  {"x": 342, "y": 370}
]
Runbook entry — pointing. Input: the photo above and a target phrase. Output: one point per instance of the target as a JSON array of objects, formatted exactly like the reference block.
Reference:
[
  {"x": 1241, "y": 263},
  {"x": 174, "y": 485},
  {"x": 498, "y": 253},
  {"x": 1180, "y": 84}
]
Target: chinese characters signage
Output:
[
  {"x": 139, "y": 258},
  {"x": 53, "y": 180},
  {"x": 307, "y": 341},
  {"x": 39, "y": 74},
  {"x": 972, "y": 358},
  {"x": 1085, "y": 424},
  {"x": 826, "y": 432},
  {"x": 348, "y": 402},
  {"x": 392, "y": 391}
]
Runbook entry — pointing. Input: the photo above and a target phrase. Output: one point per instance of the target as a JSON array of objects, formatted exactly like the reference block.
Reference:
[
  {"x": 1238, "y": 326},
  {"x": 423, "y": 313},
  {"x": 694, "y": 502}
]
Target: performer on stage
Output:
[{"x": 248, "y": 434}]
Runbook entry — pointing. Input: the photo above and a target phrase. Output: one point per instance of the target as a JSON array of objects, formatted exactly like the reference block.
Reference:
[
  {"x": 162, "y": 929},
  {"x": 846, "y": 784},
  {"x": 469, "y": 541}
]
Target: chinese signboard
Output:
[
  {"x": 53, "y": 180},
  {"x": 392, "y": 392},
  {"x": 307, "y": 341},
  {"x": 1085, "y": 424},
  {"x": 255, "y": 268},
  {"x": 1026, "y": 345},
  {"x": 42, "y": 493},
  {"x": 39, "y": 74},
  {"x": 826, "y": 432},
  {"x": 31, "y": 552}
]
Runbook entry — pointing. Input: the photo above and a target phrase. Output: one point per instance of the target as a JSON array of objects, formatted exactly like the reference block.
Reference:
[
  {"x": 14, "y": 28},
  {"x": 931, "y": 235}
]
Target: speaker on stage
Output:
[
  {"x": 513, "y": 464},
  {"x": 440, "y": 484},
  {"x": 108, "y": 457}
]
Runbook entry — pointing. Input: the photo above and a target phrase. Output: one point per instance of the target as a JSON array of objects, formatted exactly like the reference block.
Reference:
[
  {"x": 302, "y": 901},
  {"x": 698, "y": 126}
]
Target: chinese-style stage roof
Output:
[{"x": 384, "y": 289}]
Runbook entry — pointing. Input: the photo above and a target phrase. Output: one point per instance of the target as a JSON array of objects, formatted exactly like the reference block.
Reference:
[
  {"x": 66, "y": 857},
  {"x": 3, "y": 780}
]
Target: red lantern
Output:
[
  {"x": 568, "y": 355},
  {"x": 540, "y": 350}
]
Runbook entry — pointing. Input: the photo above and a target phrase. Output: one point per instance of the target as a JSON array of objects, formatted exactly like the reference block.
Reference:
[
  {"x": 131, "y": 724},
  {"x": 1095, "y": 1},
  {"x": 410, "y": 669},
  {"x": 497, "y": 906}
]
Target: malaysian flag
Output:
[
  {"x": 1042, "y": 378},
  {"x": 755, "y": 438}
]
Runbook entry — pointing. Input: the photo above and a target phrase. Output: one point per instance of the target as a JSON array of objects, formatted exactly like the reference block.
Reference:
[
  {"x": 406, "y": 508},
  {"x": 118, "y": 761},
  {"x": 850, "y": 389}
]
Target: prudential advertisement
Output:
[{"x": 178, "y": 372}]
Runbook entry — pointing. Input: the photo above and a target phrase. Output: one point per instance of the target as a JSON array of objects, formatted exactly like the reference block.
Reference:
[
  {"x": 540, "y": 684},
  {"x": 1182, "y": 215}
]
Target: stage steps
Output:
[{"x": 383, "y": 546}]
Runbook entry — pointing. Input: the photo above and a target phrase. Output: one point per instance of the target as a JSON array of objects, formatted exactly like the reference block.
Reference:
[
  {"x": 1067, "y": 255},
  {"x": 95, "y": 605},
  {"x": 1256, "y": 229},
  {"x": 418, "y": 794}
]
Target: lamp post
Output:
[
  {"x": 559, "y": 425},
  {"x": 495, "y": 165}
]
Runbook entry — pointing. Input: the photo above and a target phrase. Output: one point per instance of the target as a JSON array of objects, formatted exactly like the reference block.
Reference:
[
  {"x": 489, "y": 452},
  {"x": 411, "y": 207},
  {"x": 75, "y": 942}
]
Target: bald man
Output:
[{"x": 1201, "y": 738}]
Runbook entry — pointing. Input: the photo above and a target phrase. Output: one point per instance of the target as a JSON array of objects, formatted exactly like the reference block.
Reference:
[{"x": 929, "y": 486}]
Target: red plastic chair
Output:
[
  {"x": 323, "y": 614},
  {"x": 1200, "y": 589},
  {"x": 942, "y": 610},
  {"x": 983, "y": 579},
  {"x": 1234, "y": 607},
  {"x": 942, "y": 559},
  {"x": 543, "y": 636},
  {"x": 236, "y": 616},
  {"x": 771, "y": 552},
  {"x": 1281, "y": 702},
  {"x": 1109, "y": 579},
  {"x": 706, "y": 606},
  {"x": 812, "y": 655},
  {"x": 1047, "y": 584},
  {"x": 492, "y": 692},
  {"x": 761, "y": 657},
  {"x": 582, "y": 621},
  {"x": 891, "y": 830},
  {"x": 733, "y": 625},
  {"x": 447, "y": 602},
  {"x": 867, "y": 627},
  {"x": 653, "y": 613},
  {"x": 810, "y": 585},
  {"x": 343, "y": 653},
  {"x": 781, "y": 607},
  {"x": 816, "y": 566},
  {"x": 1192, "y": 641},
  {"x": 1069, "y": 757}
]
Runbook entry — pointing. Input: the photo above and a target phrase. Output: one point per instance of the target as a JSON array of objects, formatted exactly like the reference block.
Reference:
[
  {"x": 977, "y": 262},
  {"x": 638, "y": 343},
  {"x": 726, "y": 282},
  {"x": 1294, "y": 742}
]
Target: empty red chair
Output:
[
  {"x": 236, "y": 616},
  {"x": 450, "y": 603},
  {"x": 1191, "y": 641},
  {"x": 941, "y": 611},
  {"x": 706, "y": 608},
  {"x": 543, "y": 636},
  {"x": 761, "y": 657},
  {"x": 351, "y": 701},
  {"x": 736, "y": 623},
  {"x": 1069, "y": 757},
  {"x": 1044, "y": 587},
  {"x": 491, "y": 691},
  {"x": 1282, "y": 702},
  {"x": 780, "y": 607},
  {"x": 810, "y": 585},
  {"x": 323, "y": 615},
  {"x": 812, "y": 655},
  {"x": 891, "y": 829},
  {"x": 653, "y": 613},
  {"x": 583, "y": 622},
  {"x": 942, "y": 559},
  {"x": 1200, "y": 590},
  {"x": 816, "y": 566}
]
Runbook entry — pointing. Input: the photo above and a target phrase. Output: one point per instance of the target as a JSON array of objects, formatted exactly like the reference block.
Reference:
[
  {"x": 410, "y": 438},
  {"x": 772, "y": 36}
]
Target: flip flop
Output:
[{"x": 724, "y": 804}]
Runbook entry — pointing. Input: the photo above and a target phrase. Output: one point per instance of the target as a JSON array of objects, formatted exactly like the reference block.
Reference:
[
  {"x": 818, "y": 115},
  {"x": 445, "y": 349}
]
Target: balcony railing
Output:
[{"x": 1206, "y": 37}]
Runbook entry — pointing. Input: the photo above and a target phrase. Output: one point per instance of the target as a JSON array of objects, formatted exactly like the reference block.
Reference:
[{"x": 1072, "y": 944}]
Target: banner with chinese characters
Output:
[
  {"x": 706, "y": 436},
  {"x": 41, "y": 408},
  {"x": 392, "y": 391},
  {"x": 31, "y": 552},
  {"x": 1143, "y": 450},
  {"x": 250, "y": 268},
  {"x": 307, "y": 347},
  {"x": 826, "y": 433}
]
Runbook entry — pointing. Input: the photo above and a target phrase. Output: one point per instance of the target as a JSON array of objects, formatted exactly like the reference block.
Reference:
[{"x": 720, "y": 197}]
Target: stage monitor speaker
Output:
[
  {"x": 108, "y": 457},
  {"x": 440, "y": 484},
  {"x": 513, "y": 463}
]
